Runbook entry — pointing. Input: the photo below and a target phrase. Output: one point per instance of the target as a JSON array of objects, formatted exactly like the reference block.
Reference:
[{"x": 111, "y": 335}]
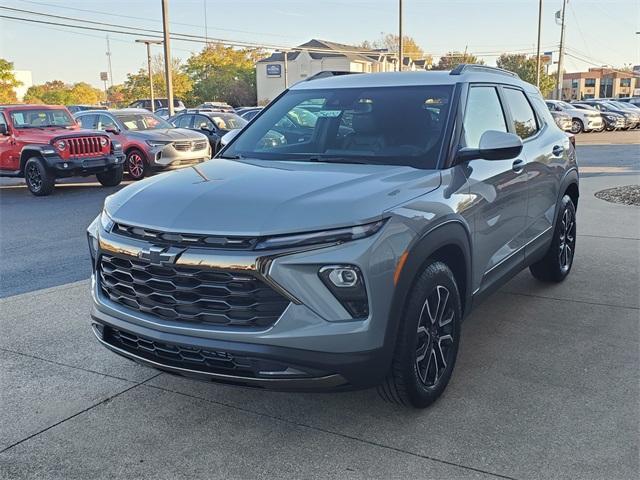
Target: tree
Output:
[
  {"x": 410, "y": 47},
  {"x": 525, "y": 67},
  {"x": 8, "y": 82},
  {"x": 452, "y": 59},
  {"x": 136, "y": 86},
  {"x": 57, "y": 92},
  {"x": 220, "y": 73}
]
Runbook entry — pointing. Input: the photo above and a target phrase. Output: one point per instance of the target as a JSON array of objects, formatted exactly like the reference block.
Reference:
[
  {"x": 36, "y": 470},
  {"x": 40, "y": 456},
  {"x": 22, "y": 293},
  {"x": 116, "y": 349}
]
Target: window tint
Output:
[
  {"x": 105, "y": 121},
  {"x": 524, "y": 119},
  {"x": 87, "y": 121},
  {"x": 183, "y": 121},
  {"x": 203, "y": 122},
  {"x": 483, "y": 112}
]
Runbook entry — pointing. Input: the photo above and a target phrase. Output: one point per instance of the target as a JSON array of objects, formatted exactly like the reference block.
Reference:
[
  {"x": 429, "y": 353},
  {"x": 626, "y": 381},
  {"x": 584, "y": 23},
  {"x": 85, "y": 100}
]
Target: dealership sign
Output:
[{"x": 274, "y": 70}]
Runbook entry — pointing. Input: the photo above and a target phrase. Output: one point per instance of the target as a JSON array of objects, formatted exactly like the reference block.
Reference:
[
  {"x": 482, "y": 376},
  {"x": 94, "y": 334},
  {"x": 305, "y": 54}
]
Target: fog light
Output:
[{"x": 346, "y": 283}]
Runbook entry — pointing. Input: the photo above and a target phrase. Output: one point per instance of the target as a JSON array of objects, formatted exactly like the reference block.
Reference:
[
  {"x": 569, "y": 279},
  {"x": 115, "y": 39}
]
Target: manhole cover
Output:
[{"x": 628, "y": 195}]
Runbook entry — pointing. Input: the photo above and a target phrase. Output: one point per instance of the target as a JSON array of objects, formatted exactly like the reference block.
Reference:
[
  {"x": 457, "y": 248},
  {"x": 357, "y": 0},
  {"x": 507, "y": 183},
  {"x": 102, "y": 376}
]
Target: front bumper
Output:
[
  {"x": 313, "y": 345},
  {"x": 615, "y": 123},
  {"x": 81, "y": 166},
  {"x": 594, "y": 123}
]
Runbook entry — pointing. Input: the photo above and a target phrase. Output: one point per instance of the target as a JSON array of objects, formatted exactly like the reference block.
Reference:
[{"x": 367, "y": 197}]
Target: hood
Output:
[
  {"x": 48, "y": 134},
  {"x": 267, "y": 197},
  {"x": 168, "y": 134}
]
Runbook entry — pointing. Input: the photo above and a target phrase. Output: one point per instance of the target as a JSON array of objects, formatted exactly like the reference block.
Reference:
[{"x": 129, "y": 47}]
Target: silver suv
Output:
[{"x": 348, "y": 255}]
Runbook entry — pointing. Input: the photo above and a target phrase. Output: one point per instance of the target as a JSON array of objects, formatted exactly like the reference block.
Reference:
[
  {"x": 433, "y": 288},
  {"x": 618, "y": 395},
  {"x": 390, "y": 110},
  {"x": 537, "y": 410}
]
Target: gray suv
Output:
[{"x": 348, "y": 255}]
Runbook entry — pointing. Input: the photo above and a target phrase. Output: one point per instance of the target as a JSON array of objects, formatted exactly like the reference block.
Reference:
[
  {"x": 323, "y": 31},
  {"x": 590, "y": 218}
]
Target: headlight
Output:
[
  {"x": 157, "y": 143},
  {"x": 61, "y": 144},
  {"x": 103, "y": 142},
  {"x": 338, "y": 235},
  {"x": 105, "y": 221}
]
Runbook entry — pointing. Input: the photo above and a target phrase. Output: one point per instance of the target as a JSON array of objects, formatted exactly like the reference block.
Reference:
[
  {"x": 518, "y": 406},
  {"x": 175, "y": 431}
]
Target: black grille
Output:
[
  {"x": 191, "y": 295},
  {"x": 185, "y": 239},
  {"x": 198, "y": 359}
]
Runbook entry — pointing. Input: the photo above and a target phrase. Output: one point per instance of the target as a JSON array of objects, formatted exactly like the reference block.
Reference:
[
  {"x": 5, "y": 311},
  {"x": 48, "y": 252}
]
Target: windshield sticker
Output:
[{"x": 329, "y": 113}]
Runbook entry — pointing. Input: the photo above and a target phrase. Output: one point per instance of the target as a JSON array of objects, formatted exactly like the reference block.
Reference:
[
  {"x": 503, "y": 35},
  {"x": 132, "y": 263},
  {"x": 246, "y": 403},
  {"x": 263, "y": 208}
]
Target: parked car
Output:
[
  {"x": 43, "y": 142},
  {"x": 632, "y": 119},
  {"x": 148, "y": 141},
  {"x": 79, "y": 108},
  {"x": 632, "y": 100},
  {"x": 216, "y": 106},
  {"x": 628, "y": 107},
  {"x": 563, "y": 120},
  {"x": 612, "y": 121},
  {"x": 158, "y": 103},
  {"x": 581, "y": 120},
  {"x": 249, "y": 113},
  {"x": 212, "y": 124},
  {"x": 336, "y": 263}
]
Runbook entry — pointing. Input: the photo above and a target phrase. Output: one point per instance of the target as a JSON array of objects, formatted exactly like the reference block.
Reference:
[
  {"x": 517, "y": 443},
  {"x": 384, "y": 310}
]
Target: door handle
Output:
[
  {"x": 558, "y": 150},
  {"x": 518, "y": 166}
]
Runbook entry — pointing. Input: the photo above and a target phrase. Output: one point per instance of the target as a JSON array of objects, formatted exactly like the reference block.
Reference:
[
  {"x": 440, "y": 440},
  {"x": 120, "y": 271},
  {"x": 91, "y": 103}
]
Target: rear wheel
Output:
[
  {"x": 137, "y": 165},
  {"x": 40, "y": 181},
  {"x": 557, "y": 263},
  {"x": 577, "y": 126},
  {"x": 110, "y": 178},
  {"x": 428, "y": 340}
]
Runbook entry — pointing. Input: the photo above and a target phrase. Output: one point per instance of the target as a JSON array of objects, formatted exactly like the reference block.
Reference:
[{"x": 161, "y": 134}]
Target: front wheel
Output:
[
  {"x": 557, "y": 263},
  {"x": 577, "y": 126},
  {"x": 110, "y": 178},
  {"x": 40, "y": 181},
  {"x": 428, "y": 340},
  {"x": 137, "y": 165}
]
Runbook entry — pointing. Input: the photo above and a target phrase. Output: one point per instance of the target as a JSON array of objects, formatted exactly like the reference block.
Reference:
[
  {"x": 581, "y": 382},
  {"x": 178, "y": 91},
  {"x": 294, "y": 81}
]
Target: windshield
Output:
[
  {"x": 142, "y": 121},
  {"x": 41, "y": 118},
  {"x": 227, "y": 121},
  {"x": 565, "y": 105},
  {"x": 381, "y": 125}
]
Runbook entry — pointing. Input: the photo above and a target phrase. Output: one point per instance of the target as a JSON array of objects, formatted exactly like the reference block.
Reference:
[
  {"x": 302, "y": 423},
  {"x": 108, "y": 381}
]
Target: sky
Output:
[{"x": 599, "y": 32}]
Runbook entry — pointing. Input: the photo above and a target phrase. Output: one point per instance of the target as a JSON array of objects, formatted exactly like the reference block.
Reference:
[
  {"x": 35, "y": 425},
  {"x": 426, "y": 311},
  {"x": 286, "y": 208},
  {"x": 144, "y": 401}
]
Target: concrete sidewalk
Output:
[{"x": 546, "y": 387}]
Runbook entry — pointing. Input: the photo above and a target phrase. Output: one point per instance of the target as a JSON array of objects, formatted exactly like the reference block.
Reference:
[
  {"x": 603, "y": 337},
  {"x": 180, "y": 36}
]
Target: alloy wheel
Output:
[
  {"x": 567, "y": 240},
  {"x": 434, "y": 351},
  {"x": 136, "y": 165},
  {"x": 33, "y": 177},
  {"x": 576, "y": 127}
]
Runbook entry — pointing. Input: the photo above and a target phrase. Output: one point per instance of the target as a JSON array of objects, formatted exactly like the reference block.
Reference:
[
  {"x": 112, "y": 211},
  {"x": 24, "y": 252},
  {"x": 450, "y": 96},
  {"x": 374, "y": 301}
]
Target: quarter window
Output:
[
  {"x": 483, "y": 112},
  {"x": 523, "y": 117}
]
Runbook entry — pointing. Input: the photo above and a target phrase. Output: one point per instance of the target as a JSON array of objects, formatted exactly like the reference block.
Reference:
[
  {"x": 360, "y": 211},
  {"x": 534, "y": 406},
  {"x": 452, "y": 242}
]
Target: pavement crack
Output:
[
  {"x": 339, "y": 434},
  {"x": 506, "y": 292},
  {"x": 102, "y": 402}
]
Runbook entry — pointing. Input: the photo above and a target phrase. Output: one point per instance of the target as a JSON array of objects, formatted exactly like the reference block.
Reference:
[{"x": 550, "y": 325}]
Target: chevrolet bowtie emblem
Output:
[{"x": 157, "y": 255}]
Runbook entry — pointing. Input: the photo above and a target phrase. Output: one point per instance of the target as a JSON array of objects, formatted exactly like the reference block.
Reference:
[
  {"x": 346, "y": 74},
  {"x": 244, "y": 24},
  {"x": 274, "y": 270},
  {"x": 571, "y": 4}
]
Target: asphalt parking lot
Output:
[{"x": 546, "y": 385}]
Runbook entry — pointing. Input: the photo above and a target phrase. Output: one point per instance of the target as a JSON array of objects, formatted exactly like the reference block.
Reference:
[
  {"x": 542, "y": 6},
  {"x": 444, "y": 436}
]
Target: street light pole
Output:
[
  {"x": 148, "y": 44},
  {"x": 400, "y": 63},
  {"x": 559, "y": 77},
  {"x": 539, "y": 34},
  {"x": 167, "y": 55}
]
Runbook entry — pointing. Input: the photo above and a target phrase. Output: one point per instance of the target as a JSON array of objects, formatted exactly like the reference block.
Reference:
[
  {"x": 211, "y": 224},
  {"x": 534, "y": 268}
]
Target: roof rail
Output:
[
  {"x": 328, "y": 73},
  {"x": 467, "y": 67}
]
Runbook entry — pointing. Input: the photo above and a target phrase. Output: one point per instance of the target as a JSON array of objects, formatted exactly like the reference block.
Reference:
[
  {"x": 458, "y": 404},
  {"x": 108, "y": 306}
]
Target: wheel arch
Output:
[
  {"x": 448, "y": 242},
  {"x": 27, "y": 152}
]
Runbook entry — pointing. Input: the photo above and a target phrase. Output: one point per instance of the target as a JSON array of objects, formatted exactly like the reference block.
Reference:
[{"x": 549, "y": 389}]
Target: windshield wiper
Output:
[
  {"x": 231, "y": 157},
  {"x": 336, "y": 160}
]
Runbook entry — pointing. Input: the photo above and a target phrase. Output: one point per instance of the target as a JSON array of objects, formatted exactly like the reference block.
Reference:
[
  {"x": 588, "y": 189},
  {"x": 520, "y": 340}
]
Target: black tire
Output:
[
  {"x": 610, "y": 129},
  {"x": 137, "y": 164},
  {"x": 412, "y": 380},
  {"x": 110, "y": 178},
  {"x": 557, "y": 263},
  {"x": 577, "y": 126},
  {"x": 40, "y": 181}
]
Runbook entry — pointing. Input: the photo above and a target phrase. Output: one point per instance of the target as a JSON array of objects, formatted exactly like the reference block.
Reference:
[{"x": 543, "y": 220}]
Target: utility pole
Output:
[
  {"x": 400, "y": 58},
  {"x": 559, "y": 78},
  {"x": 538, "y": 54},
  {"x": 148, "y": 44},
  {"x": 109, "y": 59},
  {"x": 206, "y": 36},
  {"x": 167, "y": 55},
  {"x": 286, "y": 69}
]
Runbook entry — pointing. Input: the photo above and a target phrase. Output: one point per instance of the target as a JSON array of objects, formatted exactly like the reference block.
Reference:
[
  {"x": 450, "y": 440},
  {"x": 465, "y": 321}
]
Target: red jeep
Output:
[{"x": 44, "y": 142}]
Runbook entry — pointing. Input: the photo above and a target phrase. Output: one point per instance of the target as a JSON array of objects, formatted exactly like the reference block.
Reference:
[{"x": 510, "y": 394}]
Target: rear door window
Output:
[
  {"x": 525, "y": 123},
  {"x": 484, "y": 112}
]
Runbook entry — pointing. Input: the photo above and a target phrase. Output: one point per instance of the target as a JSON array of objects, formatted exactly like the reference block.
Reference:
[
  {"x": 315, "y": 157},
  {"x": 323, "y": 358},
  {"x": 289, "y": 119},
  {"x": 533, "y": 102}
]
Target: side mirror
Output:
[
  {"x": 494, "y": 145},
  {"x": 114, "y": 130},
  {"x": 3, "y": 129},
  {"x": 227, "y": 137},
  {"x": 205, "y": 129}
]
